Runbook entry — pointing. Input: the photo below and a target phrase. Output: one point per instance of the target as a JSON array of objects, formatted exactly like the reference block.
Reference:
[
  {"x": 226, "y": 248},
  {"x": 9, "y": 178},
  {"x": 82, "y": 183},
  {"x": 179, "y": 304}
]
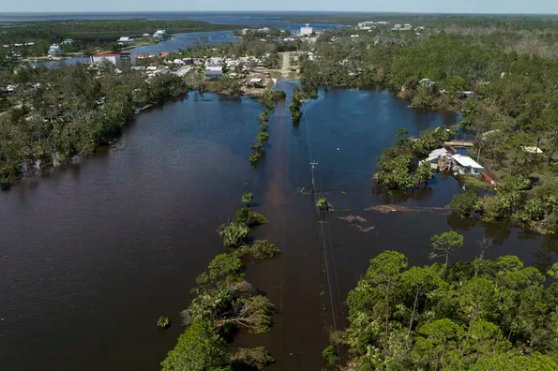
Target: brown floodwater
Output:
[{"x": 92, "y": 254}]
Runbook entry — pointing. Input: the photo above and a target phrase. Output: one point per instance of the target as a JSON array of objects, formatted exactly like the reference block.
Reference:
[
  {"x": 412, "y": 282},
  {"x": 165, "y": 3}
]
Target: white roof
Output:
[
  {"x": 437, "y": 153},
  {"x": 152, "y": 68},
  {"x": 467, "y": 161},
  {"x": 255, "y": 80},
  {"x": 124, "y": 38},
  {"x": 532, "y": 149}
]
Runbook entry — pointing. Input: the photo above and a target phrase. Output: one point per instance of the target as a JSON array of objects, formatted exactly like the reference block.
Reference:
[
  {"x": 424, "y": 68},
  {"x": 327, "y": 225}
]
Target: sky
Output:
[{"x": 424, "y": 6}]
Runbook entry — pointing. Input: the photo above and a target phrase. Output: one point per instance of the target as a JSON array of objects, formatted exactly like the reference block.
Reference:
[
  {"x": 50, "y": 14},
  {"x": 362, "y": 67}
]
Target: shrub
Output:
[
  {"x": 262, "y": 249},
  {"x": 163, "y": 322},
  {"x": 465, "y": 204}
]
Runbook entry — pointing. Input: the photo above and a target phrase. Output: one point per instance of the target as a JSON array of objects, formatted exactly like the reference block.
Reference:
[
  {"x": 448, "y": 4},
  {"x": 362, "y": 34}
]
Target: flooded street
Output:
[{"x": 92, "y": 254}]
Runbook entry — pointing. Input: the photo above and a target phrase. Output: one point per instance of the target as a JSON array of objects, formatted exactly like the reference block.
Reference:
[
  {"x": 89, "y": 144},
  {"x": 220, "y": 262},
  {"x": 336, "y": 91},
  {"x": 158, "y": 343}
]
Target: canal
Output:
[{"x": 92, "y": 254}]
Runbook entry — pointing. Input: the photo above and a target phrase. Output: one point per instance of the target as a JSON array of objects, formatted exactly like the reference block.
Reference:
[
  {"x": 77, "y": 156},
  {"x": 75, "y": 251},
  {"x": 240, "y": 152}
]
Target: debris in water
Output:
[
  {"x": 365, "y": 230},
  {"x": 352, "y": 218},
  {"x": 404, "y": 209}
]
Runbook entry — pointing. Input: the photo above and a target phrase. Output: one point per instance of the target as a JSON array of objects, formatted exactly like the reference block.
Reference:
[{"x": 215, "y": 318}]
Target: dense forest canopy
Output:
[{"x": 485, "y": 315}]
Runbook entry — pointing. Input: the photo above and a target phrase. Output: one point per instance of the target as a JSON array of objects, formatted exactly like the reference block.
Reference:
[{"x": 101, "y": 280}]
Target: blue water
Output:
[{"x": 179, "y": 41}]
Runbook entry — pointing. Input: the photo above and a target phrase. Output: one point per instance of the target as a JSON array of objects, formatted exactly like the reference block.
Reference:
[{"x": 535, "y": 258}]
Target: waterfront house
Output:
[
  {"x": 465, "y": 165},
  {"x": 160, "y": 34},
  {"x": 306, "y": 30},
  {"x": 125, "y": 40}
]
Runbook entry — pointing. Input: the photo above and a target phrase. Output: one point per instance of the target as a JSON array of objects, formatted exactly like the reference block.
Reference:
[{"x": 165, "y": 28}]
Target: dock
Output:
[{"x": 459, "y": 143}]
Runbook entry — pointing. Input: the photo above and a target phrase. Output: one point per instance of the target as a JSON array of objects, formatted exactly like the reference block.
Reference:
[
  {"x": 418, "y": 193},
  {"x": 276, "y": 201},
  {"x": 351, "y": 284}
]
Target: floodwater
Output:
[{"x": 92, "y": 254}]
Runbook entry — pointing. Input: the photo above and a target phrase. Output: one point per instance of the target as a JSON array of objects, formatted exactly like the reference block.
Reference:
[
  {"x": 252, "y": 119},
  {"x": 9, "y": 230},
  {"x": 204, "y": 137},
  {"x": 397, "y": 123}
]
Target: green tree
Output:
[
  {"x": 436, "y": 341},
  {"x": 384, "y": 272},
  {"x": 424, "y": 173},
  {"x": 465, "y": 204},
  {"x": 199, "y": 348},
  {"x": 445, "y": 244},
  {"x": 247, "y": 198}
]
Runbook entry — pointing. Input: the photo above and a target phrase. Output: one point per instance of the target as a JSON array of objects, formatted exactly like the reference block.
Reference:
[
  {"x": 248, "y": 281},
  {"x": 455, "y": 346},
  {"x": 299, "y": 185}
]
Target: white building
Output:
[
  {"x": 382, "y": 23},
  {"x": 306, "y": 31},
  {"x": 465, "y": 165},
  {"x": 114, "y": 58},
  {"x": 55, "y": 50},
  {"x": 160, "y": 34},
  {"x": 125, "y": 40},
  {"x": 367, "y": 25}
]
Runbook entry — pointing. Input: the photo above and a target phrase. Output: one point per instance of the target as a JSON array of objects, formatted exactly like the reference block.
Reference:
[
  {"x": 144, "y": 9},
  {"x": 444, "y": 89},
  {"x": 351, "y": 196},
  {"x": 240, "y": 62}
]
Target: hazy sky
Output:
[{"x": 451, "y": 6}]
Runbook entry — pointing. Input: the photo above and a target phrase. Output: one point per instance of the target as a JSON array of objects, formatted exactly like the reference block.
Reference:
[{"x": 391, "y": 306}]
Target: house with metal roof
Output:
[{"x": 465, "y": 165}]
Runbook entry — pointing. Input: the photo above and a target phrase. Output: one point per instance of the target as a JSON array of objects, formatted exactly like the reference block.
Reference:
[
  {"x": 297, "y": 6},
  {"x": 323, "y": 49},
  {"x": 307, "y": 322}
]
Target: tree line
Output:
[
  {"x": 225, "y": 303},
  {"x": 57, "y": 114}
]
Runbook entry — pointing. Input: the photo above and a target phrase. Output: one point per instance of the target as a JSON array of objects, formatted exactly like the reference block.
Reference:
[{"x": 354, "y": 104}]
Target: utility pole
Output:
[{"x": 313, "y": 163}]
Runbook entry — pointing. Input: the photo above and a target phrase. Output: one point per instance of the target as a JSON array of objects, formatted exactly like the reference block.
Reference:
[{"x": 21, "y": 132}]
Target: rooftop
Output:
[{"x": 467, "y": 161}]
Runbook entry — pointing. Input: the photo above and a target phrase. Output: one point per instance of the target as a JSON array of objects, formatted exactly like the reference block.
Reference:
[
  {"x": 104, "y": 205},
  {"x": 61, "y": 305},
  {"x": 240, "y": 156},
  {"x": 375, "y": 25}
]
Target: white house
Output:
[
  {"x": 436, "y": 154},
  {"x": 55, "y": 50},
  {"x": 160, "y": 34},
  {"x": 465, "y": 165},
  {"x": 125, "y": 40},
  {"x": 367, "y": 25},
  {"x": 306, "y": 31}
]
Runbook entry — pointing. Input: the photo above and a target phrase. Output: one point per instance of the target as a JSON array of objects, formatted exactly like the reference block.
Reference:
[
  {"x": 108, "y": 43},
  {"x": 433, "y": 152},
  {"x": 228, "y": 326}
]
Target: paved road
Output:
[{"x": 286, "y": 63}]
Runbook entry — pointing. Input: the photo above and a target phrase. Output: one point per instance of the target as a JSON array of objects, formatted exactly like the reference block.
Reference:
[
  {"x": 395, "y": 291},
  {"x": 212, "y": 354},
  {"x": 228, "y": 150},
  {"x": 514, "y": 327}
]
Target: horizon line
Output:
[{"x": 268, "y": 11}]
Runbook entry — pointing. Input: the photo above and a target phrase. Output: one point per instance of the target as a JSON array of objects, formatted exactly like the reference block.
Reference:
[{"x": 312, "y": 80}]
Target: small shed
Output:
[{"x": 465, "y": 165}]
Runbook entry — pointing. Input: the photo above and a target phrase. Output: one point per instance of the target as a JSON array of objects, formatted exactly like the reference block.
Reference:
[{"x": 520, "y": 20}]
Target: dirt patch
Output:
[
  {"x": 405, "y": 209},
  {"x": 357, "y": 219}
]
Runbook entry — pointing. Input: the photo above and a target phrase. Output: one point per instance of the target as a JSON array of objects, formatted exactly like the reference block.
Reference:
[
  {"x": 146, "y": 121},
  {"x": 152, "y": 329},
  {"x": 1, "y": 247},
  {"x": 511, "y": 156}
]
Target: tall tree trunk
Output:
[
  {"x": 387, "y": 311},
  {"x": 413, "y": 315}
]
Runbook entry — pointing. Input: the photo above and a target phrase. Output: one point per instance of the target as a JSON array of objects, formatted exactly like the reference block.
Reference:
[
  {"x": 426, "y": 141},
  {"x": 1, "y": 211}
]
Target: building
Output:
[
  {"x": 367, "y": 25},
  {"x": 160, "y": 34},
  {"x": 435, "y": 155},
  {"x": 244, "y": 31},
  {"x": 125, "y": 40},
  {"x": 55, "y": 51},
  {"x": 306, "y": 31},
  {"x": 465, "y": 165},
  {"x": 256, "y": 82},
  {"x": 68, "y": 42},
  {"x": 382, "y": 23},
  {"x": 407, "y": 25},
  {"x": 114, "y": 58},
  {"x": 145, "y": 35}
]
